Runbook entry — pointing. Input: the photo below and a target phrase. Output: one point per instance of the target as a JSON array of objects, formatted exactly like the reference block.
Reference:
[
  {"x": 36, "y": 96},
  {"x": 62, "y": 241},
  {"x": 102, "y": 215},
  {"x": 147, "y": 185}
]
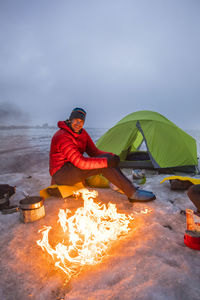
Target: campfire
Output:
[{"x": 90, "y": 232}]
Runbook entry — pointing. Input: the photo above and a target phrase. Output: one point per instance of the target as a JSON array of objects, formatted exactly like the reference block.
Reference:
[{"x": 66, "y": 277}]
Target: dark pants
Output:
[
  {"x": 69, "y": 175},
  {"x": 194, "y": 195}
]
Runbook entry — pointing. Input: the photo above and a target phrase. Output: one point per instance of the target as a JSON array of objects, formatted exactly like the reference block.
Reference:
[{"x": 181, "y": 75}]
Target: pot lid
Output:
[{"x": 31, "y": 202}]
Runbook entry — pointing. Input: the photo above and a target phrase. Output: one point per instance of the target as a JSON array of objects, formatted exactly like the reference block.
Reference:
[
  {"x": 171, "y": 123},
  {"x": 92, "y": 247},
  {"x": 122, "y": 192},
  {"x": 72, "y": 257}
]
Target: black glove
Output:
[{"x": 113, "y": 161}]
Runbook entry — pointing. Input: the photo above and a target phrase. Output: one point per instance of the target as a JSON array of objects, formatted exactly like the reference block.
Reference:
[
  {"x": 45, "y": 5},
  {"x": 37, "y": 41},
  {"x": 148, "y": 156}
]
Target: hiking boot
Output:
[{"x": 142, "y": 196}]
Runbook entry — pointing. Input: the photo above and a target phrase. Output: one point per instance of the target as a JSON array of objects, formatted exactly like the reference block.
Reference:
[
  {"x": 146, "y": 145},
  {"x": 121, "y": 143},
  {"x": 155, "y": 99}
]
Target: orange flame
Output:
[{"x": 90, "y": 232}]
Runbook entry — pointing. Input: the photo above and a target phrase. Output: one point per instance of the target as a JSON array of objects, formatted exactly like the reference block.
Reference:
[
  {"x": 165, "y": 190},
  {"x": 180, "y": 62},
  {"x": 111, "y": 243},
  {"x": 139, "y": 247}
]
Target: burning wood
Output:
[{"x": 90, "y": 232}]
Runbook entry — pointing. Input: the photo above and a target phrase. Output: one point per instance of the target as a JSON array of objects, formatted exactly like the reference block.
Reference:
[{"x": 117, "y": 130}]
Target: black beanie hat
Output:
[{"x": 78, "y": 113}]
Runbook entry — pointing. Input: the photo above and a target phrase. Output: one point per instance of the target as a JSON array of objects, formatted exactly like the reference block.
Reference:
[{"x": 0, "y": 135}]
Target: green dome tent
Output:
[{"x": 167, "y": 145}]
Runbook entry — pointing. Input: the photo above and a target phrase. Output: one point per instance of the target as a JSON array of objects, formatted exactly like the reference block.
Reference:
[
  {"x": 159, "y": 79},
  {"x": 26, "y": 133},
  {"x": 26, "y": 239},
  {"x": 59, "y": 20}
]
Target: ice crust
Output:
[{"x": 150, "y": 263}]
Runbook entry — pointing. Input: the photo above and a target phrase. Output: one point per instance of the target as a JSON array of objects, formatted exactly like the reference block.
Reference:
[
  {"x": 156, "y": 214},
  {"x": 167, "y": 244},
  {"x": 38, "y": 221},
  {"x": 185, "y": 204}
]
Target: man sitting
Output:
[{"x": 68, "y": 166}]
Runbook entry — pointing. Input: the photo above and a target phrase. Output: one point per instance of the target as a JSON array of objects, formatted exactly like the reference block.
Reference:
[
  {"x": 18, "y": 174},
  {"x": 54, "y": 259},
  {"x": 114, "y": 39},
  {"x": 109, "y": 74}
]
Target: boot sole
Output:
[{"x": 137, "y": 200}]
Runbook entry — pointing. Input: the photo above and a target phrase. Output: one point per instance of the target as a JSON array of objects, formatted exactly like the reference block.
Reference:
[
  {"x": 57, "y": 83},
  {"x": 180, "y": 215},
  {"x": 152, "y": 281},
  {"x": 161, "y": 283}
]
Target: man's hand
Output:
[{"x": 113, "y": 161}]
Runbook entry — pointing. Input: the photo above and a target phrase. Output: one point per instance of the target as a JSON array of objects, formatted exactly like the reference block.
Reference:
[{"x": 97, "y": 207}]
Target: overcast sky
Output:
[{"x": 110, "y": 57}]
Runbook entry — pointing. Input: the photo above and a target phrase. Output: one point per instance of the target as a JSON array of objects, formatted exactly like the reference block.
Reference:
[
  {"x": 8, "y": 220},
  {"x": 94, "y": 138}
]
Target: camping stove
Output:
[
  {"x": 4, "y": 201},
  {"x": 192, "y": 234}
]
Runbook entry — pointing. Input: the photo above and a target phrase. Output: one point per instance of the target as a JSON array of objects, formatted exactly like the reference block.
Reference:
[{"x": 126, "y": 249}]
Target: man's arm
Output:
[
  {"x": 73, "y": 155},
  {"x": 92, "y": 150}
]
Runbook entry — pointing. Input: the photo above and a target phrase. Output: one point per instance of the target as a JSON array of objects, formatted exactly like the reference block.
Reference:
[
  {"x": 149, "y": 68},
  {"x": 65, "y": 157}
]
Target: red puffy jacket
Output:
[{"x": 68, "y": 146}]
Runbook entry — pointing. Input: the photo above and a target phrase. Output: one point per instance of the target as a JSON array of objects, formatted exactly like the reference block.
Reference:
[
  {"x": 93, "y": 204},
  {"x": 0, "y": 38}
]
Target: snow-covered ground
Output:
[{"x": 150, "y": 262}]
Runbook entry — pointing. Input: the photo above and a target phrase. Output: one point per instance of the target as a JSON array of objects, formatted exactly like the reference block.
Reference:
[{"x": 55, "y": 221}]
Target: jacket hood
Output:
[{"x": 63, "y": 125}]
